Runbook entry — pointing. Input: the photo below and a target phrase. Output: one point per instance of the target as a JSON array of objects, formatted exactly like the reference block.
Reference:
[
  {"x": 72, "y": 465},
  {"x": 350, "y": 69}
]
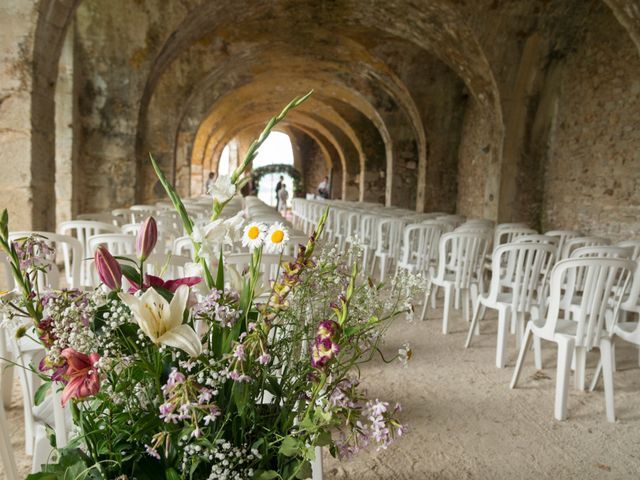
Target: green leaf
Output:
[
  {"x": 266, "y": 475},
  {"x": 171, "y": 474},
  {"x": 304, "y": 471},
  {"x": 131, "y": 274},
  {"x": 41, "y": 393},
  {"x": 290, "y": 447},
  {"x": 323, "y": 439},
  {"x": 220, "y": 275}
]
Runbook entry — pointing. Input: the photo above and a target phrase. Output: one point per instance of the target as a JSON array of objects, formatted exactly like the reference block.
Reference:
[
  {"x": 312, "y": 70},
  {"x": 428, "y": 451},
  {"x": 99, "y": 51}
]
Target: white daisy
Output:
[
  {"x": 253, "y": 235},
  {"x": 276, "y": 239},
  {"x": 222, "y": 189}
]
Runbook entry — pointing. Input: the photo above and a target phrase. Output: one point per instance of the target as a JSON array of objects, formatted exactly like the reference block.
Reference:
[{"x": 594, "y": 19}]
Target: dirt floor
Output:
[{"x": 465, "y": 423}]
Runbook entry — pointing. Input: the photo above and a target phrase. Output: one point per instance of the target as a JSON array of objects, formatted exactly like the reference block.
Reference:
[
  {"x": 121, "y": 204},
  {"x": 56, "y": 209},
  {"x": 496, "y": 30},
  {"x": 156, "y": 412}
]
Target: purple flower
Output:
[
  {"x": 327, "y": 329},
  {"x": 322, "y": 351},
  {"x": 152, "y": 452},
  {"x": 239, "y": 352},
  {"x": 264, "y": 359}
]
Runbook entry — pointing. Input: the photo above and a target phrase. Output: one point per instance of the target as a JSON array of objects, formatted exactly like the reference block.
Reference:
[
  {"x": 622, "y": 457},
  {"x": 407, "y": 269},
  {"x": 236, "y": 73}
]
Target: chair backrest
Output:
[
  {"x": 508, "y": 233},
  {"x": 131, "y": 228},
  {"x": 139, "y": 213},
  {"x": 389, "y": 235},
  {"x": 116, "y": 243},
  {"x": 420, "y": 244},
  {"x": 633, "y": 244},
  {"x": 538, "y": 238},
  {"x": 606, "y": 251},
  {"x": 573, "y": 243},
  {"x": 184, "y": 246},
  {"x": 82, "y": 230},
  {"x": 461, "y": 257},
  {"x": 69, "y": 252},
  {"x": 105, "y": 217},
  {"x": 367, "y": 233},
  {"x": 605, "y": 283},
  {"x": 563, "y": 236},
  {"x": 521, "y": 270}
]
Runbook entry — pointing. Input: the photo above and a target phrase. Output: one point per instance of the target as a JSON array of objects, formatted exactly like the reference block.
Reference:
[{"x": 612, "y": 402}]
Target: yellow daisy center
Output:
[
  {"x": 277, "y": 236},
  {"x": 253, "y": 232}
]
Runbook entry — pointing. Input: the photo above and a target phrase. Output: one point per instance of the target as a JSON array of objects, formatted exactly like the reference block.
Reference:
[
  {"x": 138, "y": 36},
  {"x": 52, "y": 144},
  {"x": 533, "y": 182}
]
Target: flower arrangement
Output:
[{"x": 210, "y": 376}]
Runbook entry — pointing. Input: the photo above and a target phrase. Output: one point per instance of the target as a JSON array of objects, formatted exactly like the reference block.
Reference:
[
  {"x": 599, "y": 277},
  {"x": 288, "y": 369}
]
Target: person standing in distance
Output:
[
  {"x": 283, "y": 196},
  {"x": 209, "y": 183},
  {"x": 278, "y": 187},
  {"x": 323, "y": 188}
]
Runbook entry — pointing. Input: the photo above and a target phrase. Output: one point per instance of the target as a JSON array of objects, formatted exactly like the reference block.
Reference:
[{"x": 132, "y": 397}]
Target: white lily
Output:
[
  {"x": 161, "y": 321},
  {"x": 222, "y": 189}
]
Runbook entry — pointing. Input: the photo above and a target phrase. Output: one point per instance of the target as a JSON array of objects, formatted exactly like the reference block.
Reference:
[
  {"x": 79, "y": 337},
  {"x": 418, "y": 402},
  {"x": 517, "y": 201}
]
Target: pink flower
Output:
[
  {"x": 327, "y": 328},
  {"x": 147, "y": 238},
  {"x": 108, "y": 268},
  {"x": 171, "y": 285},
  {"x": 323, "y": 351},
  {"x": 84, "y": 380}
]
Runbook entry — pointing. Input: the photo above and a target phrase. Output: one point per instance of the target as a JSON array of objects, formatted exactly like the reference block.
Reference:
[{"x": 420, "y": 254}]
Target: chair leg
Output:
[
  {"x": 434, "y": 296},
  {"x": 474, "y": 325},
  {"x": 316, "y": 466},
  {"x": 502, "y": 333},
  {"x": 465, "y": 305},
  {"x": 537, "y": 352},
  {"x": 565, "y": 351},
  {"x": 383, "y": 268},
  {"x": 425, "y": 305},
  {"x": 613, "y": 350},
  {"x": 606, "y": 354},
  {"x": 457, "y": 300},
  {"x": 447, "y": 307},
  {"x": 7, "y": 384},
  {"x": 523, "y": 351},
  {"x": 596, "y": 375},
  {"x": 581, "y": 367}
]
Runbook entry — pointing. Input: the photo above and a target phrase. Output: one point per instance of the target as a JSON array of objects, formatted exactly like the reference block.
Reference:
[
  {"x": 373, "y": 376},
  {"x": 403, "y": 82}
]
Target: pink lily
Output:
[
  {"x": 171, "y": 285},
  {"x": 84, "y": 379}
]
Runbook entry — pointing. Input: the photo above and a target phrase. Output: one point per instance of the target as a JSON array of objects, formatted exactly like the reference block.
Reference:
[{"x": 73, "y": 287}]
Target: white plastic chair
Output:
[
  {"x": 139, "y": 213},
  {"x": 104, "y": 217},
  {"x": 562, "y": 236},
  {"x": 388, "y": 237},
  {"x": 131, "y": 228},
  {"x": 584, "y": 325},
  {"x": 183, "y": 246},
  {"x": 116, "y": 243},
  {"x": 634, "y": 245},
  {"x": 6, "y": 450},
  {"x": 420, "y": 246},
  {"x": 519, "y": 272},
  {"x": 460, "y": 261},
  {"x": 578, "y": 242},
  {"x": 82, "y": 230}
]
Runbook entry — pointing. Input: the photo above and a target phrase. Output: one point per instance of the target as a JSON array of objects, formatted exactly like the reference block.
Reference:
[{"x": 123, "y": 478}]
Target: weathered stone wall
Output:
[
  {"x": 474, "y": 154},
  {"x": 593, "y": 174}
]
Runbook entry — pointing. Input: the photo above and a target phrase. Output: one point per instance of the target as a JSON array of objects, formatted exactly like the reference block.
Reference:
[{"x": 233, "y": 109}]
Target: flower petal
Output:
[
  {"x": 177, "y": 307},
  {"x": 184, "y": 338}
]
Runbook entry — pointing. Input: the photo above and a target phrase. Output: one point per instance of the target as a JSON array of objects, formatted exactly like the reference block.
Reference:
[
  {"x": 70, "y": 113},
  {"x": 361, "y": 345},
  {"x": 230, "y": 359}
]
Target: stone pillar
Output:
[
  {"x": 66, "y": 167},
  {"x": 16, "y": 182}
]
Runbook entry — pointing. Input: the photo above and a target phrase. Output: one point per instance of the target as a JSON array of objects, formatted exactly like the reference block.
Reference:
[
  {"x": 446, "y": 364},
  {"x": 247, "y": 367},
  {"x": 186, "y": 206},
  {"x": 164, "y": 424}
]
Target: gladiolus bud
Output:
[
  {"x": 147, "y": 238},
  {"x": 108, "y": 268}
]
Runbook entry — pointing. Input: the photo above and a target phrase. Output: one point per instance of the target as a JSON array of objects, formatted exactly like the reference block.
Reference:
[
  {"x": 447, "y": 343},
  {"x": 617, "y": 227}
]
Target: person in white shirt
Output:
[
  {"x": 283, "y": 196},
  {"x": 323, "y": 188}
]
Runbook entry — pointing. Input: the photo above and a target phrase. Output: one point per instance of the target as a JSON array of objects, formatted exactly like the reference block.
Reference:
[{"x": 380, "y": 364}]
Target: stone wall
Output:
[
  {"x": 474, "y": 154},
  {"x": 592, "y": 181}
]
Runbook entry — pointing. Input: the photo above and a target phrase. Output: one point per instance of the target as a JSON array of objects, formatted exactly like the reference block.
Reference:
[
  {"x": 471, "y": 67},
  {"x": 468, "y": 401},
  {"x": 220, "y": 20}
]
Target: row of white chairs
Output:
[{"x": 509, "y": 268}]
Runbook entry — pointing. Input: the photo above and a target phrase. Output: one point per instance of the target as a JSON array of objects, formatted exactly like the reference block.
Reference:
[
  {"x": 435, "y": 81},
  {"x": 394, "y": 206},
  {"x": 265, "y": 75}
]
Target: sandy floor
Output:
[{"x": 466, "y": 423}]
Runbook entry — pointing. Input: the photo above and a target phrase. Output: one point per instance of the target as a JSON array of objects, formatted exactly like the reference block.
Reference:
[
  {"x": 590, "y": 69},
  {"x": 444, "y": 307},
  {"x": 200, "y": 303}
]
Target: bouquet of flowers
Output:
[{"x": 219, "y": 375}]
